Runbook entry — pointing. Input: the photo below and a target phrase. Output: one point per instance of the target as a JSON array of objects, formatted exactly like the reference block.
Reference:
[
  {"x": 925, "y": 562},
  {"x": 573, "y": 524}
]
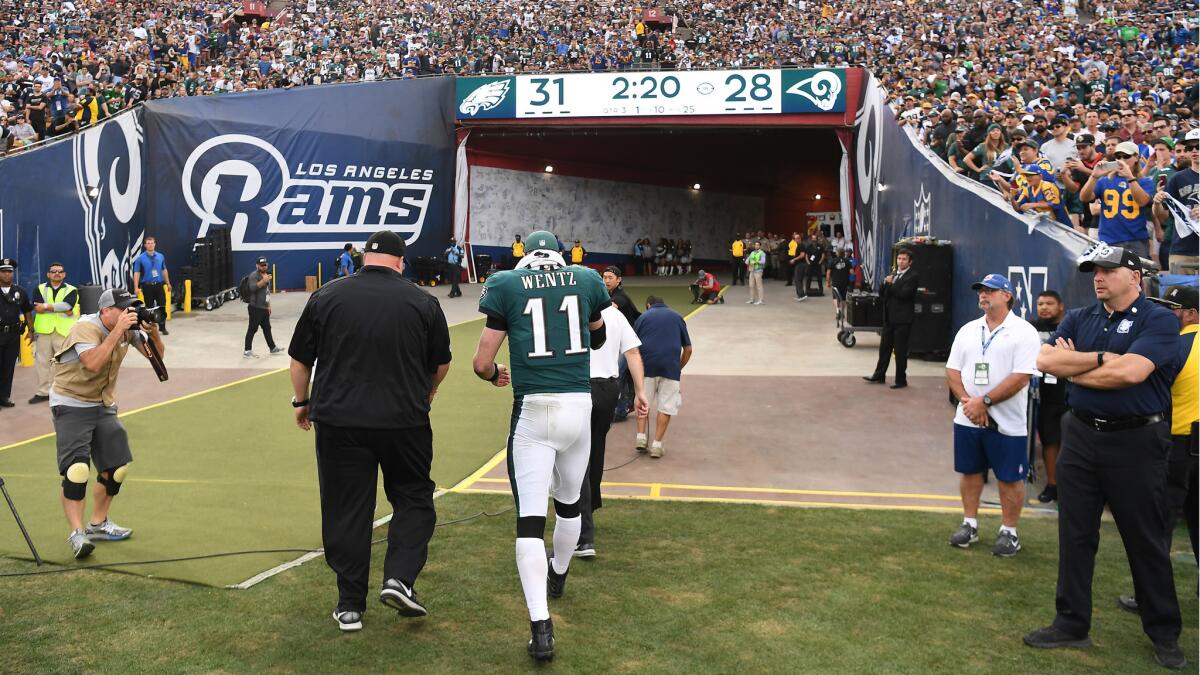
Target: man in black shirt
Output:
[
  {"x": 816, "y": 265},
  {"x": 838, "y": 277},
  {"x": 16, "y": 320},
  {"x": 1052, "y": 394},
  {"x": 383, "y": 348}
]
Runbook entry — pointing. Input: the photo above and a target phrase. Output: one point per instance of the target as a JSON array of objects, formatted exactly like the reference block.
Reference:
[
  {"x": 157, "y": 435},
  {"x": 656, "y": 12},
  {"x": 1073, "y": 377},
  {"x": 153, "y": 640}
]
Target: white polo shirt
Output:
[
  {"x": 1011, "y": 348},
  {"x": 619, "y": 338}
]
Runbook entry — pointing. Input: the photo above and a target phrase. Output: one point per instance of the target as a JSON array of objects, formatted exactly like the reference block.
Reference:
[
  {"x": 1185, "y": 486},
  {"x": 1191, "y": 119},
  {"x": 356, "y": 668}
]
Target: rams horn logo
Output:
[
  {"x": 486, "y": 97},
  {"x": 822, "y": 89}
]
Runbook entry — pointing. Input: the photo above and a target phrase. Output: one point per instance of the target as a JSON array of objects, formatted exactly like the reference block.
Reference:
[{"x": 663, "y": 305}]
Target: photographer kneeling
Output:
[{"x": 85, "y": 413}]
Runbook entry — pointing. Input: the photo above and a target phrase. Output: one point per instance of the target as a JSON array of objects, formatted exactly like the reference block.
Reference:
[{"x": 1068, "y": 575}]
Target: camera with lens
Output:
[{"x": 145, "y": 314}]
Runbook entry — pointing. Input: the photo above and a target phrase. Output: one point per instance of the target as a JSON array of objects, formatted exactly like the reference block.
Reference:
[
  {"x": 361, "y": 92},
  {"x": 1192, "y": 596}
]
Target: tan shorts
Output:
[{"x": 663, "y": 394}]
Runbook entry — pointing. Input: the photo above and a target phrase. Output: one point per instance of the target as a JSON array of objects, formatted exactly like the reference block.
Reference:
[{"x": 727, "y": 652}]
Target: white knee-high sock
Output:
[
  {"x": 566, "y": 538},
  {"x": 531, "y": 566}
]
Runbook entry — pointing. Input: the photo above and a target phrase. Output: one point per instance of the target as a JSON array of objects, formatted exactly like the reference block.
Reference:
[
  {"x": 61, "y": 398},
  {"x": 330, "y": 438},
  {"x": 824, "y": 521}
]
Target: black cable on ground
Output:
[
  {"x": 228, "y": 554},
  {"x": 636, "y": 457}
]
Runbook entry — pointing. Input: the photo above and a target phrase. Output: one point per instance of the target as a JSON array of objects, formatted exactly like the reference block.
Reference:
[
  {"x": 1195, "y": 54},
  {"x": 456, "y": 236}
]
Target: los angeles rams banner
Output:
[
  {"x": 79, "y": 202},
  {"x": 297, "y": 174},
  {"x": 901, "y": 190}
]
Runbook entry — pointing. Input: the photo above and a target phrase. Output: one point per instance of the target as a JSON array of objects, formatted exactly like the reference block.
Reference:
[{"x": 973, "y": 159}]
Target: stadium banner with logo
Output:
[
  {"x": 79, "y": 202},
  {"x": 297, "y": 174},
  {"x": 902, "y": 190}
]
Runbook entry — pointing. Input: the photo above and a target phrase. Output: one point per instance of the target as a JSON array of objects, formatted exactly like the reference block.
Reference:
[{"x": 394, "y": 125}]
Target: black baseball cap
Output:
[
  {"x": 262, "y": 260},
  {"x": 7, "y": 264},
  {"x": 1111, "y": 257},
  {"x": 1179, "y": 297},
  {"x": 385, "y": 242},
  {"x": 1085, "y": 139}
]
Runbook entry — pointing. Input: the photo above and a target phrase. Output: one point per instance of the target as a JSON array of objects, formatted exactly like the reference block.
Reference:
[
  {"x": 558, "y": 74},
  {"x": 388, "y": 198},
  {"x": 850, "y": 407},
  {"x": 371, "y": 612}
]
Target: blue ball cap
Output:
[{"x": 997, "y": 282}]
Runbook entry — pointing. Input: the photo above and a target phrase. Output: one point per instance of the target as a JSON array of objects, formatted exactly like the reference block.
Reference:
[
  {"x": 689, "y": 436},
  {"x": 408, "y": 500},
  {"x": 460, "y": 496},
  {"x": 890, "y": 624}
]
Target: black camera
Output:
[{"x": 154, "y": 315}]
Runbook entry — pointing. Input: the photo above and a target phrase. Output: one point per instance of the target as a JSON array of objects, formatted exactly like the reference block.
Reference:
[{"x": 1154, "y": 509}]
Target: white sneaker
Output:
[
  {"x": 749, "y": 302},
  {"x": 656, "y": 450},
  {"x": 759, "y": 302},
  {"x": 640, "y": 443},
  {"x": 107, "y": 531},
  {"x": 249, "y": 355}
]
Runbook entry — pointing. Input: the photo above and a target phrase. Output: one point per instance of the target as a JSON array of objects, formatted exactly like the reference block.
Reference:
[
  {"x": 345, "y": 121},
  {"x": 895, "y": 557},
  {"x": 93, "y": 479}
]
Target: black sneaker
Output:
[
  {"x": 348, "y": 621},
  {"x": 555, "y": 583},
  {"x": 585, "y": 551},
  {"x": 1169, "y": 655},
  {"x": 964, "y": 536},
  {"x": 1050, "y": 494},
  {"x": 1054, "y": 638},
  {"x": 541, "y": 644},
  {"x": 1007, "y": 545},
  {"x": 400, "y": 597},
  {"x": 38, "y": 398}
]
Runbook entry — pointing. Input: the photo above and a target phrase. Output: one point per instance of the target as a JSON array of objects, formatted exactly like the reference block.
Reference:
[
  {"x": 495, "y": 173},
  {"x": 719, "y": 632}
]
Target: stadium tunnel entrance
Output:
[{"x": 610, "y": 185}]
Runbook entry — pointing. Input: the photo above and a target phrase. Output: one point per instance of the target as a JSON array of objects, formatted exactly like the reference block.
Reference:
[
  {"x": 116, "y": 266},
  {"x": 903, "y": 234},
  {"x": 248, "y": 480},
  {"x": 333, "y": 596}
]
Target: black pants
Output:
[
  {"x": 1181, "y": 488},
  {"x": 348, "y": 462},
  {"x": 799, "y": 273},
  {"x": 815, "y": 272},
  {"x": 894, "y": 338},
  {"x": 452, "y": 272},
  {"x": 604, "y": 399},
  {"x": 10, "y": 350},
  {"x": 1127, "y": 471},
  {"x": 739, "y": 271},
  {"x": 156, "y": 296},
  {"x": 791, "y": 273},
  {"x": 259, "y": 317}
]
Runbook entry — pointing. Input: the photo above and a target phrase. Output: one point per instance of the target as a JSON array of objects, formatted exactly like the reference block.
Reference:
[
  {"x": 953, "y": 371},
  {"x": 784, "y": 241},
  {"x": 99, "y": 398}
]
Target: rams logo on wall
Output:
[{"x": 108, "y": 184}]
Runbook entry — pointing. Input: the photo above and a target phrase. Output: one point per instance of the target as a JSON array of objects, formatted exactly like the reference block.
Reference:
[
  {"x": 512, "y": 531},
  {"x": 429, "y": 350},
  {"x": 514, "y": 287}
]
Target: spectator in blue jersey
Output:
[
  {"x": 1123, "y": 200},
  {"x": 1040, "y": 195},
  {"x": 1180, "y": 198},
  {"x": 345, "y": 265},
  {"x": 454, "y": 257},
  {"x": 150, "y": 277}
]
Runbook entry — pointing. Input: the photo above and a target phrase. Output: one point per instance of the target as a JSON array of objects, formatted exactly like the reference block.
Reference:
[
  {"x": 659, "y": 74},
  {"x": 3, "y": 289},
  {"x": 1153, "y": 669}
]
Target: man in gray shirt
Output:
[{"x": 259, "y": 300}]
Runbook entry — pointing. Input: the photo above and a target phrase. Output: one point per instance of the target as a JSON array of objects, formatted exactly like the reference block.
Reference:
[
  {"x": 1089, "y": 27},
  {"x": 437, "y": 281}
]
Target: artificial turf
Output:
[{"x": 676, "y": 587}]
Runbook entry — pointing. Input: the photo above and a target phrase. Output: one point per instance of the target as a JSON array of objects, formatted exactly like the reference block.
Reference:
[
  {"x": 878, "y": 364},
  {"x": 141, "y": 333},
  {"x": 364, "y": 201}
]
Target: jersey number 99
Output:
[{"x": 1121, "y": 201}]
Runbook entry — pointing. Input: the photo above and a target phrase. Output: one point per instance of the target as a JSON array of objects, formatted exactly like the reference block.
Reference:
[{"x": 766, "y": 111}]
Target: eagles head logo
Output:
[
  {"x": 821, "y": 89},
  {"x": 484, "y": 98}
]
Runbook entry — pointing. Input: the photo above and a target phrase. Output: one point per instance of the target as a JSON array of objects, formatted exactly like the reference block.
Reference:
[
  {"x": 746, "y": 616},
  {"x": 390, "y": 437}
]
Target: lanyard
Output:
[{"x": 988, "y": 343}]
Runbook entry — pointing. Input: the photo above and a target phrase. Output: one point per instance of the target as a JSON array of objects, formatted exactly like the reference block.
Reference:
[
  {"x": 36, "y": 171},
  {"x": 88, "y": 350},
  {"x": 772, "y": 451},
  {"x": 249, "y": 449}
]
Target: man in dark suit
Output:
[{"x": 899, "y": 290}]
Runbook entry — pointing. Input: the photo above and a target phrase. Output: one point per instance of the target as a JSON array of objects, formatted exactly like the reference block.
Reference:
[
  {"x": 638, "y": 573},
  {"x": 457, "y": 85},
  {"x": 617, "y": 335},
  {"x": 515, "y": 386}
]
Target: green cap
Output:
[{"x": 541, "y": 240}]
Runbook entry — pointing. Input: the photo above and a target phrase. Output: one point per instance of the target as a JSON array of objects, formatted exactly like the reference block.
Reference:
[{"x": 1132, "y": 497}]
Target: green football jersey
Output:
[{"x": 547, "y": 314}]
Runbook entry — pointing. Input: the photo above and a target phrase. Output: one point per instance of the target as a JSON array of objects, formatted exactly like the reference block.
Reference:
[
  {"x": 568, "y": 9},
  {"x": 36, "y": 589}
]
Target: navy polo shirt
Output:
[
  {"x": 663, "y": 334},
  {"x": 1144, "y": 328}
]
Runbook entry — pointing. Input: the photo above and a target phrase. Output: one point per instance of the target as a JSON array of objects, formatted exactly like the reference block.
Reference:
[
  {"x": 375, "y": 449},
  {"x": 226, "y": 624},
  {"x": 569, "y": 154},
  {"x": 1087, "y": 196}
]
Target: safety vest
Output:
[
  {"x": 518, "y": 249},
  {"x": 577, "y": 254},
  {"x": 55, "y": 322},
  {"x": 738, "y": 248},
  {"x": 792, "y": 246}
]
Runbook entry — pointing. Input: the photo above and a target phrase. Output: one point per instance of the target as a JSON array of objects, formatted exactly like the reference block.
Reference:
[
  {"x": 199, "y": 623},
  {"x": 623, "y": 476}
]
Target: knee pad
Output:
[
  {"x": 567, "y": 510},
  {"x": 74, "y": 482},
  {"x": 531, "y": 527},
  {"x": 112, "y": 484}
]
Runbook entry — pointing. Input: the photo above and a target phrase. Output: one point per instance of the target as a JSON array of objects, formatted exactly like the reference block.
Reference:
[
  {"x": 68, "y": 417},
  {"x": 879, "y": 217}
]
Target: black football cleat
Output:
[
  {"x": 541, "y": 644},
  {"x": 555, "y": 583}
]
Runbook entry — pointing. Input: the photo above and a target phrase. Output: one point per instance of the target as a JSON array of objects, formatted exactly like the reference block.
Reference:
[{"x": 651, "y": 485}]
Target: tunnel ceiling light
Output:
[
  {"x": 549, "y": 168},
  {"x": 817, "y": 197},
  {"x": 695, "y": 186}
]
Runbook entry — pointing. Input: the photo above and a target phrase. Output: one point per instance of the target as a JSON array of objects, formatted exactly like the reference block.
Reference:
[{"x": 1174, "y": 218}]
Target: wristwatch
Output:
[
  {"x": 987, "y": 400},
  {"x": 299, "y": 404},
  {"x": 1099, "y": 359}
]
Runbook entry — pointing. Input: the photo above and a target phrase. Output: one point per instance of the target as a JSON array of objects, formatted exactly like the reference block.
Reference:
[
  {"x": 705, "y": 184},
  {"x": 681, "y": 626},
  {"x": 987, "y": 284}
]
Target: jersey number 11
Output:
[{"x": 535, "y": 308}]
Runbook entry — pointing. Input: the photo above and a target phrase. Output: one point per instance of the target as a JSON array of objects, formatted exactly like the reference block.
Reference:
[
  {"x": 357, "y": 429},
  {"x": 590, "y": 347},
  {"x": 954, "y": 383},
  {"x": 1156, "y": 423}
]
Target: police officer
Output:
[
  {"x": 1121, "y": 355},
  {"x": 16, "y": 320},
  {"x": 383, "y": 348},
  {"x": 454, "y": 255}
]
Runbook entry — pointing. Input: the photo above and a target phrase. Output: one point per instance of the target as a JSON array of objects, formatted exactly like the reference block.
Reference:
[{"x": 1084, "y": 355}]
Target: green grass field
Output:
[{"x": 676, "y": 587}]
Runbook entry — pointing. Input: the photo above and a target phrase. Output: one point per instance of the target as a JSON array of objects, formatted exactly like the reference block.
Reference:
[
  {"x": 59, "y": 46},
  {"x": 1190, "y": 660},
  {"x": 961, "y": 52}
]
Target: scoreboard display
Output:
[{"x": 649, "y": 94}]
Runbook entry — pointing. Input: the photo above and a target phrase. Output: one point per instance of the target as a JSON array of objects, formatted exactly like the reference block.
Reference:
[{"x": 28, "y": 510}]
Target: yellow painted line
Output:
[
  {"x": 655, "y": 490},
  {"x": 775, "y": 502},
  {"x": 783, "y": 491},
  {"x": 481, "y": 472}
]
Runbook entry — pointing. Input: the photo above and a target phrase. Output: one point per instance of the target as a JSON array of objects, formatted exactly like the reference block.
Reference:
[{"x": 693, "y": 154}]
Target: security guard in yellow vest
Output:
[
  {"x": 577, "y": 253},
  {"x": 518, "y": 252},
  {"x": 737, "y": 250},
  {"x": 55, "y": 310}
]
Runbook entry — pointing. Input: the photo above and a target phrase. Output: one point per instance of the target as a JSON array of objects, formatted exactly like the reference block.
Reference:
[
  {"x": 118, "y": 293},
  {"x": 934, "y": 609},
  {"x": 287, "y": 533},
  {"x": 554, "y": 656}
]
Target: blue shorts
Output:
[{"x": 976, "y": 450}]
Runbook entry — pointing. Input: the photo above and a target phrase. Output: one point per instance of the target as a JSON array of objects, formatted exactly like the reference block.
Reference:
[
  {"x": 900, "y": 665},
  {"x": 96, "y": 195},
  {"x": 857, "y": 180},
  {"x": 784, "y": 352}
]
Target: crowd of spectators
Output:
[{"x": 68, "y": 64}]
